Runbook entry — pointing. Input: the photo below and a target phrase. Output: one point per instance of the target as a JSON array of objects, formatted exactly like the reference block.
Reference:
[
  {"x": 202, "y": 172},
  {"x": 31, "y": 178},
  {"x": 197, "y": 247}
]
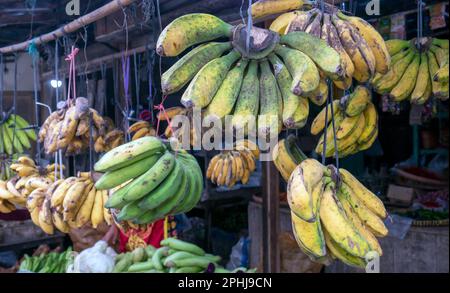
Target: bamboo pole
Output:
[{"x": 75, "y": 25}]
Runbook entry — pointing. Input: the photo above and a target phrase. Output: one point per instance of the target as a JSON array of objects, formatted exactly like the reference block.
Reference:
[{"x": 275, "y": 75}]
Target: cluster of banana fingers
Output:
[
  {"x": 355, "y": 123},
  {"x": 141, "y": 129},
  {"x": 15, "y": 134},
  {"x": 69, "y": 129},
  {"x": 5, "y": 172},
  {"x": 335, "y": 219},
  {"x": 361, "y": 48},
  {"x": 271, "y": 81},
  {"x": 29, "y": 178},
  {"x": 68, "y": 203},
  {"x": 230, "y": 167},
  {"x": 416, "y": 74}
]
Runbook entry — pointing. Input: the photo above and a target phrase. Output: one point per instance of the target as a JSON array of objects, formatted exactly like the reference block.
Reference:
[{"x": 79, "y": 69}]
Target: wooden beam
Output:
[
  {"x": 271, "y": 218},
  {"x": 75, "y": 25}
]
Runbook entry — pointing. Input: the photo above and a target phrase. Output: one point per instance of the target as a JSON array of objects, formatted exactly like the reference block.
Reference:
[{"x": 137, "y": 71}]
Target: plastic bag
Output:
[{"x": 239, "y": 254}]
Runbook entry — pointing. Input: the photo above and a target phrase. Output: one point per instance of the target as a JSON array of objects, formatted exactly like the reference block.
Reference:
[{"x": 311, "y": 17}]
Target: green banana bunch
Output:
[
  {"x": 228, "y": 85},
  {"x": 149, "y": 181},
  {"x": 332, "y": 220},
  {"x": 356, "y": 124},
  {"x": 174, "y": 256},
  {"x": 15, "y": 135},
  {"x": 415, "y": 74}
]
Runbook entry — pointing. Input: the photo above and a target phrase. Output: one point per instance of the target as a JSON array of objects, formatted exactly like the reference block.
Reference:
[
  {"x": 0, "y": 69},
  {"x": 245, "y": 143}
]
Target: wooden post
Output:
[{"x": 271, "y": 221}]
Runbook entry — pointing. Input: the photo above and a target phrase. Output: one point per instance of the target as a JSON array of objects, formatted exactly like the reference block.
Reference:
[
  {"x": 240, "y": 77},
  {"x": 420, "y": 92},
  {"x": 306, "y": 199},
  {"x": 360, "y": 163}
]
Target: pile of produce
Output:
[
  {"x": 52, "y": 262},
  {"x": 287, "y": 155},
  {"x": 15, "y": 134},
  {"x": 230, "y": 167},
  {"x": 355, "y": 121},
  {"x": 334, "y": 215},
  {"x": 149, "y": 180},
  {"x": 174, "y": 256},
  {"x": 141, "y": 129},
  {"x": 416, "y": 74},
  {"x": 69, "y": 129},
  {"x": 361, "y": 48},
  {"x": 29, "y": 178},
  {"x": 269, "y": 79},
  {"x": 68, "y": 203}
]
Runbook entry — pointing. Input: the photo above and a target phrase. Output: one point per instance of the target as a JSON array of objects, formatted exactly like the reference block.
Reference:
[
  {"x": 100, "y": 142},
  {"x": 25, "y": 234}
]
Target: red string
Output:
[
  {"x": 72, "y": 75},
  {"x": 161, "y": 108}
]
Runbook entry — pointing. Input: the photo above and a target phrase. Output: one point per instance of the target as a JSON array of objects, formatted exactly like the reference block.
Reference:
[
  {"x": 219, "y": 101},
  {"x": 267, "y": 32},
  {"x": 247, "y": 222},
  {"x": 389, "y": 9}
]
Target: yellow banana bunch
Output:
[
  {"x": 141, "y": 129},
  {"x": 68, "y": 203},
  {"x": 356, "y": 124},
  {"x": 29, "y": 178},
  {"x": 334, "y": 221},
  {"x": 361, "y": 49},
  {"x": 70, "y": 129},
  {"x": 230, "y": 167},
  {"x": 415, "y": 75}
]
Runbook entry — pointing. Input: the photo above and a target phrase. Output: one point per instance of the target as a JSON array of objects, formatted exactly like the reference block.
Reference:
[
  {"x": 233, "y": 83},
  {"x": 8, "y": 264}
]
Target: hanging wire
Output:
[
  {"x": 31, "y": 4},
  {"x": 15, "y": 99},
  {"x": 34, "y": 57},
  {"x": 150, "y": 64},
  {"x": 241, "y": 12},
  {"x": 249, "y": 26}
]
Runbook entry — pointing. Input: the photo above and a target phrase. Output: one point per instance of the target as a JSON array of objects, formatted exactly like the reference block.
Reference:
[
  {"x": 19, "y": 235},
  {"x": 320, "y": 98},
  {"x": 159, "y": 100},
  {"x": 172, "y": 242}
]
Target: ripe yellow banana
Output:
[
  {"x": 269, "y": 7},
  {"x": 367, "y": 217},
  {"x": 374, "y": 40},
  {"x": 423, "y": 81},
  {"x": 97, "y": 215},
  {"x": 371, "y": 119},
  {"x": 319, "y": 122},
  {"x": 369, "y": 199},
  {"x": 340, "y": 229},
  {"x": 408, "y": 81},
  {"x": 280, "y": 24}
]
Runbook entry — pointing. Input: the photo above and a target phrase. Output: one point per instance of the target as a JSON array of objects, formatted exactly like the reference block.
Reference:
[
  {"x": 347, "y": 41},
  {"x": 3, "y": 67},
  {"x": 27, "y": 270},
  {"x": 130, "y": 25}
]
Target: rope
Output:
[
  {"x": 2, "y": 71},
  {"x": 330, "y": 100},
  {"x": 72, "y": 74},
  {"x": 137, "y": 59},
  {"x": 32, "y": 50},
  {"x": 161, "y": 108},
  {"x": 57, "y": 70}
]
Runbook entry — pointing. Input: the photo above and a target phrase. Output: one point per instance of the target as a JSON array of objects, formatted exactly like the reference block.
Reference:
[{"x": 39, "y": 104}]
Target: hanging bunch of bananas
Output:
[
  {"x": 68, "y": 203},
  {"x": 69, "y": 129},
  {"x": 141, "y": 129},
  {"x": 230, "y": 167},
  {"x": 334, "y": 218},
  {"x": 148, "y": 181},
  {"x": 29, "y": 178},
  {"x": 355, "y": 122},
  {"x": 416, "y": 74},
  {"x": 15, "y": 134},
  {"x": 362, "y": 50},
  {"x": 286, "y": 156},
  {"x": 5, "y": 171},
  {"x": 263, "y": 85}
]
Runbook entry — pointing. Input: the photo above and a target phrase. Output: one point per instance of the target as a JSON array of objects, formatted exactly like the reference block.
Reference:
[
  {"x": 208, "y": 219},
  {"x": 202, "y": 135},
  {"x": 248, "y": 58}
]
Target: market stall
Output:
[{"x": 225, "y": 137}]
